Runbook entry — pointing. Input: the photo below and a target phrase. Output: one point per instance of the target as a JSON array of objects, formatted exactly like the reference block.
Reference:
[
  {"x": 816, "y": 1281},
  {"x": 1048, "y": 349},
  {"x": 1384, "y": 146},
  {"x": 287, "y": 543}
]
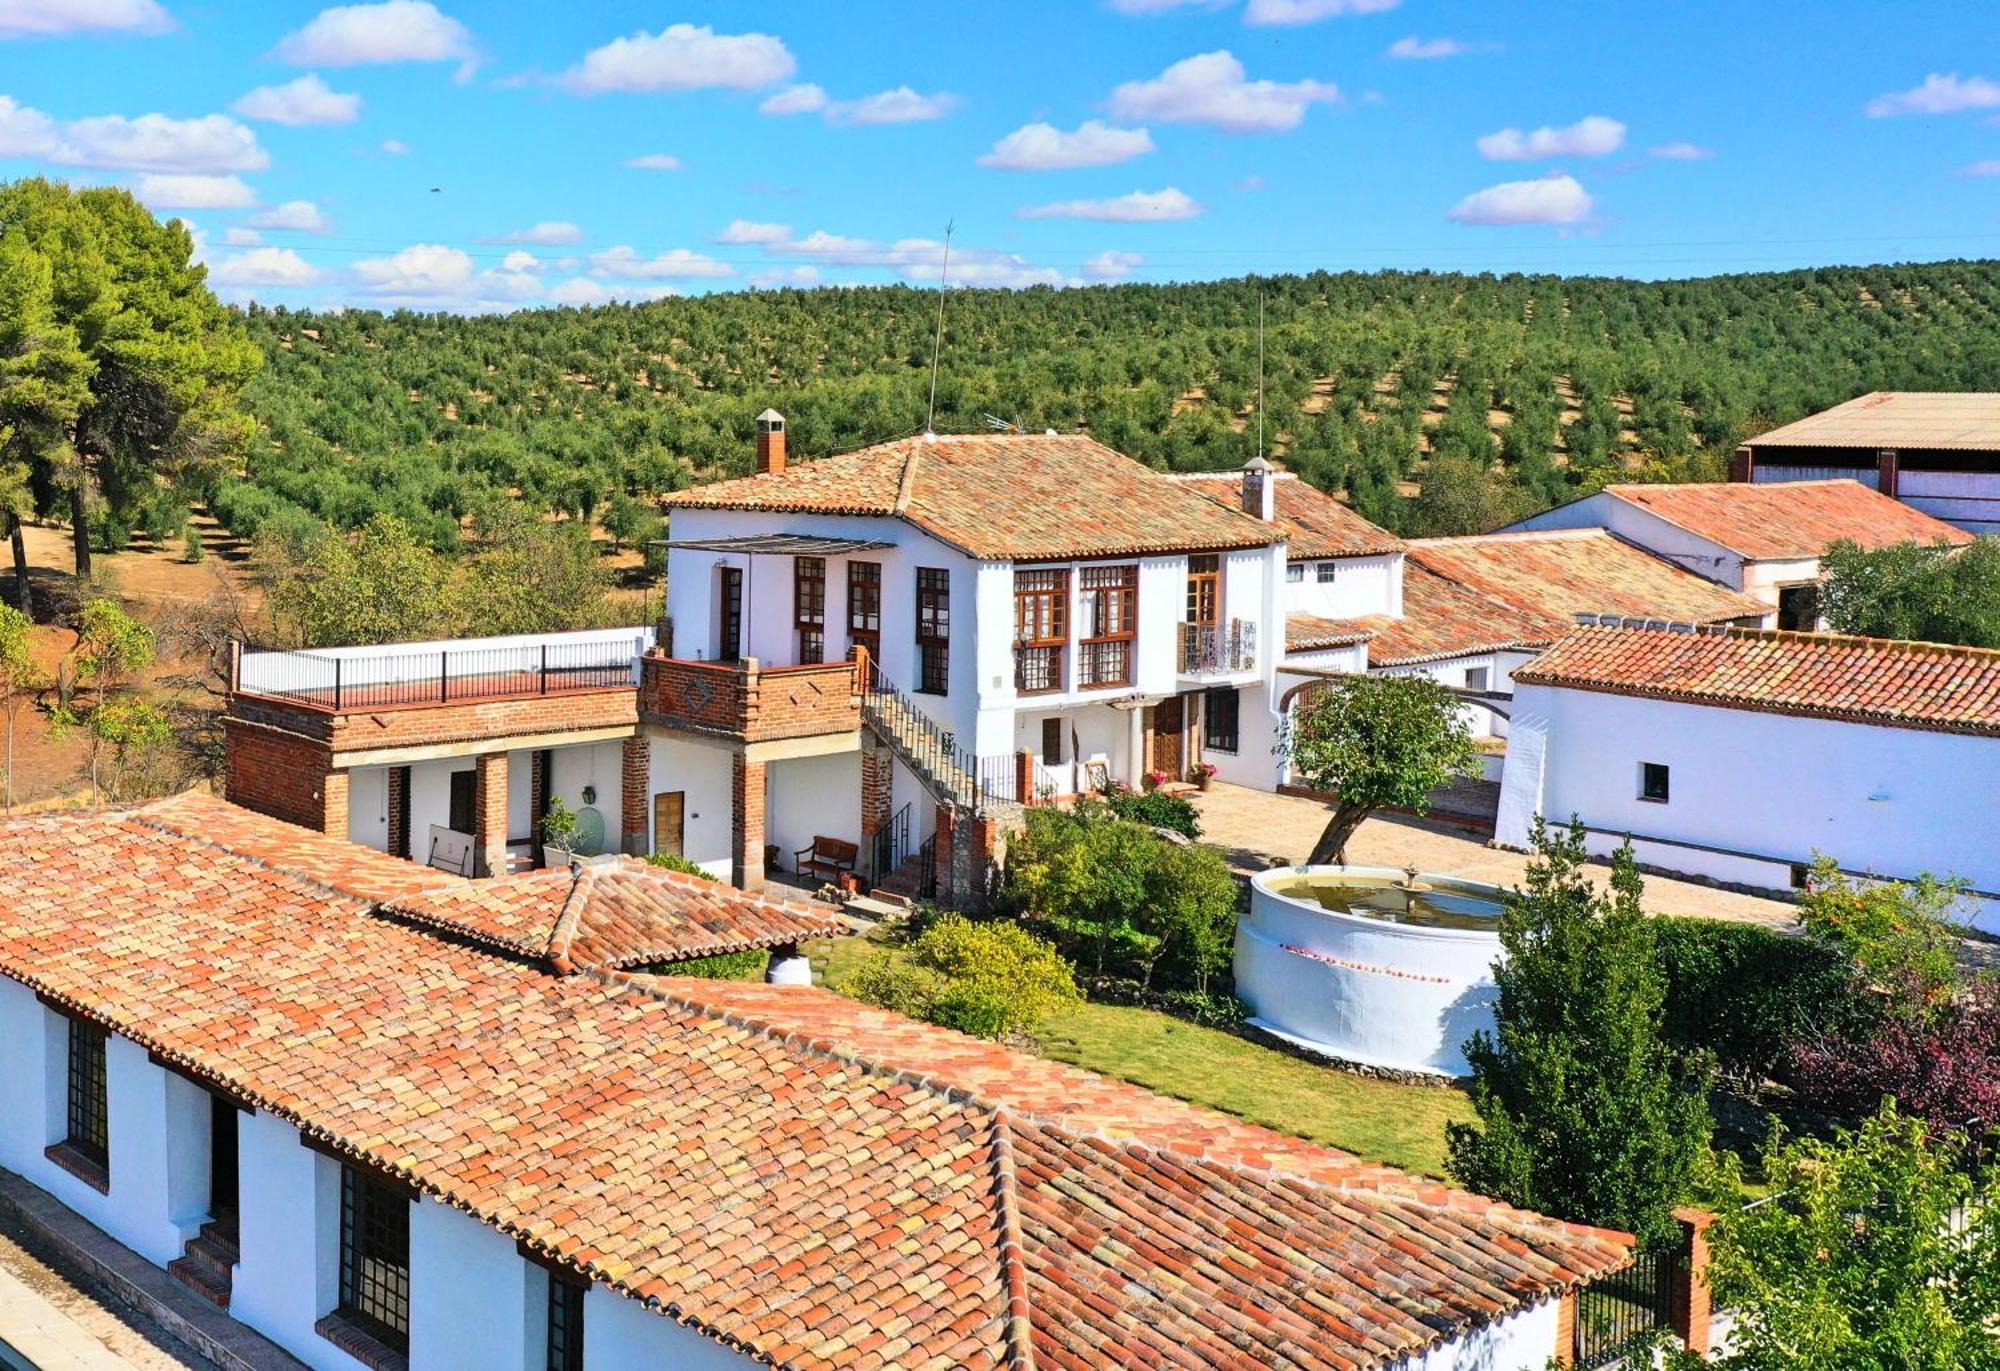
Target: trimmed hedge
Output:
[{"x": 1743, "y": 993}]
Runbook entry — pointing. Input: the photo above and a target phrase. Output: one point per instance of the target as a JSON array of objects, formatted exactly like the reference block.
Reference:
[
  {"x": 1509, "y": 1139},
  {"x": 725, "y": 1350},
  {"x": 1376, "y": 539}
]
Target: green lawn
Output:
[{"x": 1399, "y": 1124}]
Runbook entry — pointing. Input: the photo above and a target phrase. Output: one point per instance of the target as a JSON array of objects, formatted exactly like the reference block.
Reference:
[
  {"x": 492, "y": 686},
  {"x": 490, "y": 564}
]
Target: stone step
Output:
[{"x": 197, "y": 1278}]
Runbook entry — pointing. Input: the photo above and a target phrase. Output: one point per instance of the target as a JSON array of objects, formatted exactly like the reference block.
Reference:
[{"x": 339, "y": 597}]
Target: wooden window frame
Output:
[
  {"x": 933, "y": 631},
  {"x": 864, "y": 605},
  {"x": 1041, "y": 629},
  {"x": 1204, "y": 589},
  {"x": 809, "y": 608},
  {"x": 1052, "y": 741},
  {"x": 1107, "y": 593},
  {"x": 1212, "y": 737},
  {"x": 729, "y": 622}
]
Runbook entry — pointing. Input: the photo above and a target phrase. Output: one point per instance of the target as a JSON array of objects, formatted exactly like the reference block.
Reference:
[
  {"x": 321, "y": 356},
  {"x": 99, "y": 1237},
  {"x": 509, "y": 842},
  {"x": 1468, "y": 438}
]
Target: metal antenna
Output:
[
  {"x": 1260, "y": 372},
  {"x": 937, "y": 343}
]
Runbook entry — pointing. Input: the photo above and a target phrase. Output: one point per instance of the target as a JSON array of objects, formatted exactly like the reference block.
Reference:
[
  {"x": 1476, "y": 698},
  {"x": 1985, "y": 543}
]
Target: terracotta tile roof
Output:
[
  {"x": 613, "y": 913},
  {"x": 1968, "y": 420},
  {"x": 1524, "y": 590},
  {"x": 1788, "y": 519},
  {"x": 1820, "y": 675},
  {"x": 1310, "y": 633},
  {"x": 999, "y": 495},
  {"x": 1316, "y": 524},
  {"x": 817, "y": 1182}
]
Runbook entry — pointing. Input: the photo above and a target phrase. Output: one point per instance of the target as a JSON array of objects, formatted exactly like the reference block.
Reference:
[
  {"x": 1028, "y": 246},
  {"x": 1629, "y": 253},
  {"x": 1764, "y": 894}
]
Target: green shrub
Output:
[
  {"x": 723, "y": 966},
  {"x": 673, "y": 861},
  {"x": 989, "y": 979},
  {"x": 1155, "y": 810},
  {"x": 1743, "y": 993}
]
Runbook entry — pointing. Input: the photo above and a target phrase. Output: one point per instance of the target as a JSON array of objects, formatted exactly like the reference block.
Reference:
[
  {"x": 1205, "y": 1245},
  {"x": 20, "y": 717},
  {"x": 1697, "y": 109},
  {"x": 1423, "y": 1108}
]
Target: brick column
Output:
[
  {"x": 399, "y": 811},
  {"x": 489, "y": 815},
  {"x": 1693, "y": 1302},
  {"x": 988, "y": 850},
  {"x": 635, "y": 757},
  {"x": 1565, "y": 1353},
  {"x": 333, "y": 804},
  {"x": 944, "y": 846},
  {"x": 1743, "y": 466},
  {"x": 746, "y": 858},
  {"x": 1024, "y": 777},
  {"x": 1886, "y": 470},
  {"x": 877, "y": 795}
]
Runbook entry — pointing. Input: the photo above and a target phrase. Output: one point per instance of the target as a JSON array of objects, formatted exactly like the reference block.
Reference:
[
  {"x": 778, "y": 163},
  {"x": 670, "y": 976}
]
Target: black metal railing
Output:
[
  {"x": 892, "y": 844},
  {"x": 930, "y": 749},
  {"x": 1618, "y": 1313},
  {"x": 1218, "y": 648},
  {"x": 379, "y": 680},
  {"x": 927, "y": 884}
]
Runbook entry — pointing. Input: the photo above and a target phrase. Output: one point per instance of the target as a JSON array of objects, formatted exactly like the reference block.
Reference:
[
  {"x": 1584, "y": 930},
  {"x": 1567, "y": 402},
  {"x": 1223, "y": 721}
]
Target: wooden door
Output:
[
  {"x": 669, "y": 818},
  {"x": 1169, "y": 721},
  {"x": 731, "y": 646}
]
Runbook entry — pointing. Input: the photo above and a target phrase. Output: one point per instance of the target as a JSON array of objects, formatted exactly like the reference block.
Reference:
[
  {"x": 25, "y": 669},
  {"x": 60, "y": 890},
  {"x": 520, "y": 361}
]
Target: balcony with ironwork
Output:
[{"x": 1226, "y": 649}]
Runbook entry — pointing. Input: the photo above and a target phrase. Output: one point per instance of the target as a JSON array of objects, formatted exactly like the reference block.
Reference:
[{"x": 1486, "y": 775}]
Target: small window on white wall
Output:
[
  {"x": 1295, "y": 572},
  {"x": 1328, "y": 572},
  {"x": 1476, "y": 677},
  {"x": 1653, "y": 782}
]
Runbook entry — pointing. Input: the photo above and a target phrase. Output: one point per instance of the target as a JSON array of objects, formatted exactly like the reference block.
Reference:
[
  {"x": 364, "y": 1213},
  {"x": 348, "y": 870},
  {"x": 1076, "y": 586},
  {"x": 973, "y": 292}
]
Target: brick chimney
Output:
[
  {"x": 770, "y": 441},
  {"x": 1259, "y": 490}
]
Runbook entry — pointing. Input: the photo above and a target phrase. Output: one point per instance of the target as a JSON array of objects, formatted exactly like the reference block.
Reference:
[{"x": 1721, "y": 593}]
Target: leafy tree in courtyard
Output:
[
  {"x": 1376, "y": 741},
  {"x": 1937, "y": 594},
  {"x": 1583, "y": 1110},
  {"x": 20, "y": 675},
  {"x": 1878, "y": 1251}
]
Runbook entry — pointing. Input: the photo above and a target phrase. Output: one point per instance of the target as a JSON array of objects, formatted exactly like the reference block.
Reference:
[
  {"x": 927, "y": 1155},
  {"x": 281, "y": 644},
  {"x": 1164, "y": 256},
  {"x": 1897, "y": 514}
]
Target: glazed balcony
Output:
[{"x": 747, "y": 701}]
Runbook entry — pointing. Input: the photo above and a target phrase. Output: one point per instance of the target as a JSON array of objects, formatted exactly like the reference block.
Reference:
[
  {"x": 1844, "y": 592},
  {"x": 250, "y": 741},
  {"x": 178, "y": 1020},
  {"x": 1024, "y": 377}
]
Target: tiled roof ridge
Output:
[
  {"x": 143, "y": 817},
  {"x": 1390, "y": 1183},
  {"x": 1020, "y": 1324},
  {"x": 1525, "y": 535},
  {"x": 1916, "y": 647},
  {"x": 563, "y": 935},
  {"x": 906, "y": 485}
]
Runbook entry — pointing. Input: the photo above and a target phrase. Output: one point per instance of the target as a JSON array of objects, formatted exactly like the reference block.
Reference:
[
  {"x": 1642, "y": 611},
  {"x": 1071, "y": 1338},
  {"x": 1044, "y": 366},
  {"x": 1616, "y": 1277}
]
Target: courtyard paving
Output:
[{"x": 1259, "y": 830}]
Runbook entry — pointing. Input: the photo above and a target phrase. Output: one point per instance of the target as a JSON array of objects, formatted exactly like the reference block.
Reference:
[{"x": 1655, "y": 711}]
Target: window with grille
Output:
[
  {"x": 1107, "y": 624},
  {"x": 375, "y": 1257},
  {"x": 1295, "y": 572},
  {"x": 1219, "y": 720},
  {"x": 933, "y": 630},
  {"x": 809, "y": 607},
  {"x": 1327, "y": 572},
  {"x": 1204, "y": 589},
  {"x": 1041, "y": 628},
  {"x": 864, "y": 605},
  {"x": 89, "y": 1134},
  {"x": 1052, "y": 742},
  {"x": 565, "y": 1323}
]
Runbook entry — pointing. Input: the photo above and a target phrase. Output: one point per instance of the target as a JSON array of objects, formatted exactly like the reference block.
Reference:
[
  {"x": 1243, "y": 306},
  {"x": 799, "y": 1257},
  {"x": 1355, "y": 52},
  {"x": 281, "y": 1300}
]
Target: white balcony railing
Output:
[
  {"x": 392, "y": 674},
  {"x": 1218, "y": 649}
]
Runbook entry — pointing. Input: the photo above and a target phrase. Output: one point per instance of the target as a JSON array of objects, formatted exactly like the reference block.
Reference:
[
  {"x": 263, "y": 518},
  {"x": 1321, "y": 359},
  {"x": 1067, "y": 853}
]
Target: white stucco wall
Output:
[
  {"x": 702, "y": 771},
  {"x": 1969, "y": 499},
  {"x": 807, "y": 797},
  {"x": 368, "y": 807},
  {"x": 598, "y": 766},
  {"x": 430, "y": 799},
  {"x": 469, "y": 1291},
  {"x": 1089, "y": 733},
  {"x": 620, "y": 1334},
  {"x": 1668, "y": 541},
  {"x": 1891, "y": 801},
  {"x": 1360, "y": 586},
  {"x": 1523, "y": 1342}
]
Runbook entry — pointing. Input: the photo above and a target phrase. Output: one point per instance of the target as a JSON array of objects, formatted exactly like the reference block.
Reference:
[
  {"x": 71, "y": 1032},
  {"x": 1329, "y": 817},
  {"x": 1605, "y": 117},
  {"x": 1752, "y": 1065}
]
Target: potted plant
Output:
[
  {"x": 558, "y": 833},
  {"x": 1155, "y": 779},
  {"x": 1201, "y": 773}
]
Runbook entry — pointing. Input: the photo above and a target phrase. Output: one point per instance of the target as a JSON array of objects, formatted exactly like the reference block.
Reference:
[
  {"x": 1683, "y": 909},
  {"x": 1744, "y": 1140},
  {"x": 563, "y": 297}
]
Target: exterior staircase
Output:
[
  {"x": 930, "y": 752},
  {"x": 207, "y": 1265}
]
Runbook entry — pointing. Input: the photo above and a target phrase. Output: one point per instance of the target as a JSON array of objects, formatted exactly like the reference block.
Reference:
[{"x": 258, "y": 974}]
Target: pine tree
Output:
[{"x": 1583, "y": 1110}]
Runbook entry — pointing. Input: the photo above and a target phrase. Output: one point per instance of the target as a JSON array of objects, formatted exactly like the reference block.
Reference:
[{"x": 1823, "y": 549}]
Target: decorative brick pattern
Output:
[
  {"x": 746, "y": 851},
  {"x": 399, "y": 811},
  {"x": 635, "y": 778},
  {"x": 747, "y": 701},
  {"x": 489, "y": 815},
  {"x": 429, "y": 725}
]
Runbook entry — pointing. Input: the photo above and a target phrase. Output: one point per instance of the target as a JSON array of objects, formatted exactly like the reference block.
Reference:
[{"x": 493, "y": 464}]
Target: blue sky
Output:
[{"x": 622, "y": 150}]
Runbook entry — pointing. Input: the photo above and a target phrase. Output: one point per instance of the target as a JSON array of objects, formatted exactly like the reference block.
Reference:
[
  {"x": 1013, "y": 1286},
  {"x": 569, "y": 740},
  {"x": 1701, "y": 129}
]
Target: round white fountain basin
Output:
[{"x": 1361, "y": 984}]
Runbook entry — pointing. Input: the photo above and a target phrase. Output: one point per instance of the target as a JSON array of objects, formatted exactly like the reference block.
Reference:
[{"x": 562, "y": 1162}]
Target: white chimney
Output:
[{"x": 1260, "y": 490}]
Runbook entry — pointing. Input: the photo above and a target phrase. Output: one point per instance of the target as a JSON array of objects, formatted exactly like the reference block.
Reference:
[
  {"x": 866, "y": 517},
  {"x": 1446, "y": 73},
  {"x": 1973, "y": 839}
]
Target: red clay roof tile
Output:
[
  {"x": 1316, "y": 524},
  {"x": 1788, "y": 520}
]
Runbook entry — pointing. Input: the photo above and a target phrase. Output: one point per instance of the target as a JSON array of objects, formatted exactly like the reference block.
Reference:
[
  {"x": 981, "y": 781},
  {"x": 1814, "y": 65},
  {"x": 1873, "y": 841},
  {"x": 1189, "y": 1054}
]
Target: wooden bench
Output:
[{"x": 827, "y": 857}]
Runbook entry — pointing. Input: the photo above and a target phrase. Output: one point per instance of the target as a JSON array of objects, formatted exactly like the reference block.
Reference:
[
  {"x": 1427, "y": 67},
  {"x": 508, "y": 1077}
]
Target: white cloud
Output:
[
  {"x": 1310, "y": 11},
  {"x": 46, "y": 18},
  {"x": 395, "y": 147},
  {"x": 1593, "y": 135},
  {"x": 582, "y": 290},
  {"x": 241, "y": 237},
  {"x": 549, "y": 233},
  {"x": 785, "y": 276},
  {"x": 1939, "y": 94},
  {"x": 914, "y": 259},
  {"x": 800, "y": 99},
  {"x": 520, "y": 261},
  {"x": 747, "y": 231},
  {"x": 1682, "y": 151},
  {"x": 624, "y": 262},
  {"x": 366, "y": 35},
  {"x": 682, "y": 57},
  {"x": 1211, "y": 89},
  {"x": 265, "y": 267},
  {"x": 431, "y": 275},
  {"x": 211, "y": 145},
  {"x": 899, "y": 106},
  {"x": 25, "y": 131},
  {"x": 307, "y": 100},
  {"x": 1554, "y": 199},
  {"x": 654, "y": 161},
  {"x": 1139, "y": 207},
  {"x": 1989, "y": 167},
  {"x": 1044, "y": 147},
  {"x": 1415, "y": 49},
  {"x": 294, "y": 216},
  {"x": 195, "y": 192},
  {"x": 1112, "y": 265}
]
